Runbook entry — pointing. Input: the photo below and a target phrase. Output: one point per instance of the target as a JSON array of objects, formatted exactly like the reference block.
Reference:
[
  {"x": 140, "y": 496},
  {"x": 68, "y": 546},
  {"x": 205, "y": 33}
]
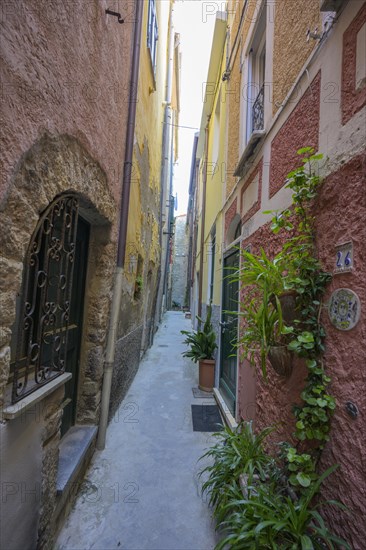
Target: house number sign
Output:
[
  {"x": 344, "y": 258},
  {"x": 344, "y": 309}
]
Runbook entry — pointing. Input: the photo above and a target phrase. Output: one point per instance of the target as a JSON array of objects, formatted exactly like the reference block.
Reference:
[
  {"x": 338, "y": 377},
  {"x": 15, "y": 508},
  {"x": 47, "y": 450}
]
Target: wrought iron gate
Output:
[
  {"x": 44, "y": 320},
  {"x": 229, "y": 332}
]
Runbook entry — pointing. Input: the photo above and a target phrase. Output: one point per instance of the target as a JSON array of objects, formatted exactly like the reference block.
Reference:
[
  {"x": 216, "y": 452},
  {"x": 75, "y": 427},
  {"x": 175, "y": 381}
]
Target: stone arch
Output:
[
  {"x": 53, "y": 166},
  {"x": 233, "y": 229}
]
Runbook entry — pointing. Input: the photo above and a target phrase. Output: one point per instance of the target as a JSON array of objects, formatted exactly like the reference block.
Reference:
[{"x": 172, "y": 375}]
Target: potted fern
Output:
[{"x": 202, "y": 349}]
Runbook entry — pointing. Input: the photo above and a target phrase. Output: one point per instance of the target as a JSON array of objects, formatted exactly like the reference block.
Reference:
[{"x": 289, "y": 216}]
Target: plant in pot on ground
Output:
[{"x": 202, "y": 344}]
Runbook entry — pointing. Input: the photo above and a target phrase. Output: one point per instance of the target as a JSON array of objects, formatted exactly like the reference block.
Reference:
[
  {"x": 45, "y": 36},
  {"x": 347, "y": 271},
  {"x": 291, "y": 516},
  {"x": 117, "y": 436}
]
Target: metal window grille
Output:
[
  {"x": 152, "y": 32},
  {"x": 46, "y": 295},
  {"x": 258, "y": 111}
]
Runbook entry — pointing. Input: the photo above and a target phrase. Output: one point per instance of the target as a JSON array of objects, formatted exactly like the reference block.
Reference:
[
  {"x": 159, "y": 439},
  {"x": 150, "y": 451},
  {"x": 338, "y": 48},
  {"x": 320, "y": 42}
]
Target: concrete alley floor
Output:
[{"x": 142, "y": 492}]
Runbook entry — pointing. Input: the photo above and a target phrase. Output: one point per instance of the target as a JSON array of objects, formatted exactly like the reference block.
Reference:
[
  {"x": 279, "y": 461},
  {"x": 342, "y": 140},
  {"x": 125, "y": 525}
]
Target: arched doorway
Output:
[{"x": 49, "y": 324}]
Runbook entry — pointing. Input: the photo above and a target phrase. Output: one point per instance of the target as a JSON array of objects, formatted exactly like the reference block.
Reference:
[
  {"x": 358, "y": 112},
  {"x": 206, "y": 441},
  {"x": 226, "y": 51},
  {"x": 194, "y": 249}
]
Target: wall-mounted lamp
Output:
[{"x": 116, "y": 14}]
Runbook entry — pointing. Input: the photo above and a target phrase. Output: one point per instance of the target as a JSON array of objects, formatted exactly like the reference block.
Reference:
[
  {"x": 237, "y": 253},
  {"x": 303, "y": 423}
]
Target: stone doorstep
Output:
[
  {"x": 76, "y": 451},
  {"x": 228, "y": 417},
  {"x": 74, "y": 448}
]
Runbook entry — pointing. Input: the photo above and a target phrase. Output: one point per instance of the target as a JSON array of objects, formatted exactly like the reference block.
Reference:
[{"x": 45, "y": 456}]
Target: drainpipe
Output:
[
  {"x": 168, "y": 135},
  {"x": 203, "y": 219},
  {"x": 122, "y": 236}
]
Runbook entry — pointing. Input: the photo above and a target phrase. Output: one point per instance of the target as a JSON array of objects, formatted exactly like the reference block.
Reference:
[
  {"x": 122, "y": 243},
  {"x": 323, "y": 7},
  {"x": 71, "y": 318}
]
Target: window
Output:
[
  {"x": 46, "y": 324},
  {"x": 254, "y": 69},
  {"x": 152, "y": 32},
  {"x": 255, "y": 105}
]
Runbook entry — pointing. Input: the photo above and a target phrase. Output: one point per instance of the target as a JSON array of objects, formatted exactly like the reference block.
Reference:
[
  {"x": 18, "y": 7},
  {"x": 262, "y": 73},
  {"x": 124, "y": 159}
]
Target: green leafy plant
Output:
[
  {"x": 139, "y": 283},
  {"x": 263, "y": 329},
  {"x": 296, "y": 267},
  {"x": 300, "y": 466},
  {"x": 263, "y": 326},
  {"x": 238, "y": 451},
  {"x": 313, "y": 417},
  {"x": 262, "y": 272},
  {"x": 202, "y": 342},
  {"x": 269, "y": 519}
]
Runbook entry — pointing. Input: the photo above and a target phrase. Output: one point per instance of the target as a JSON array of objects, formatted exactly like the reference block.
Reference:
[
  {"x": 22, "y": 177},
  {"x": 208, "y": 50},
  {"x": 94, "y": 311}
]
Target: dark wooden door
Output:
[
  {"x": 229, "y": 332},
  {"x": 75, "y": 325}
]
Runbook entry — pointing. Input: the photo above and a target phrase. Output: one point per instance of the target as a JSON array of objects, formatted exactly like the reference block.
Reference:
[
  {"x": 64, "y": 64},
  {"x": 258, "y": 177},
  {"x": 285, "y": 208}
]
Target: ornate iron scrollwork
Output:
[
  {"x": 258, "y": 111},
  {"x": 46, "y": 296}
]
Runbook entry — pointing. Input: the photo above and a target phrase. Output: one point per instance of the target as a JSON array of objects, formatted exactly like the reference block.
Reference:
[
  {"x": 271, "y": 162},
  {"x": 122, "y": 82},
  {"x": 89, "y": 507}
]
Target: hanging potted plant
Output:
[
  {"x": 202, "y": 349},
  {"x": 268, "y": 307},
  {"x": 272, "y": 277},
  {"x": 265, "y": 334}
]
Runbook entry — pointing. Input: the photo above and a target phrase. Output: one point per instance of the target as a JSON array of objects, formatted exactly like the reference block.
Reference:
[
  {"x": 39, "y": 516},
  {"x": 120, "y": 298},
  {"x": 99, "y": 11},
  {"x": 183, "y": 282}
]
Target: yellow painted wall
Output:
[
  {"x": 146, "y": 172},
  {"x": 215, "y": 185}
]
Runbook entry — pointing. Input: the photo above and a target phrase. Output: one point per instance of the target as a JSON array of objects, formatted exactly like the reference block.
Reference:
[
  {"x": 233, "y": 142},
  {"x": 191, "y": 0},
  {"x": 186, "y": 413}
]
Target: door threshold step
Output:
[
  {"x": 228, "y": 417},
  {"x": 74, "y": 447}
]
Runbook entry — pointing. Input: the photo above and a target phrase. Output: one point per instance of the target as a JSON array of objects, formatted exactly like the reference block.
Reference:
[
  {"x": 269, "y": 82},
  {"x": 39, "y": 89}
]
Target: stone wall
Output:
[
  {"x": 65, "y": 81},
  {"x": 29, "y": 458},
  {"x": 180, "y": 262},
  {"x": 52, "y": 166},
  {"x": 126, "y": 363}
]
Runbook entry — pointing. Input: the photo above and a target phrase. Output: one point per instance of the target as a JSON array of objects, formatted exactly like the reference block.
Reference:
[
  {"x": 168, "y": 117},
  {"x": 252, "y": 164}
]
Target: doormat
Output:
[
  {"x": 199, "y": 393},
  {"x": 206, "y": 418}
]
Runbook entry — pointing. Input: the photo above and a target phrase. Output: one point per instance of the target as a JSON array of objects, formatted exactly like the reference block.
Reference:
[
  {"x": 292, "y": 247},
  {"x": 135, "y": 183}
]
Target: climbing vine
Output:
[{"x": 305, "y": 275}]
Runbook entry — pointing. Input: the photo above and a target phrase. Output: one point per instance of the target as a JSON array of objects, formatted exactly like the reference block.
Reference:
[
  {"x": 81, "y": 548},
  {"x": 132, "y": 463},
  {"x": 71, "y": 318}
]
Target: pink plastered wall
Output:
[
  {"x": 340, "y": 216},
  {"x": 65, "y": 70}
]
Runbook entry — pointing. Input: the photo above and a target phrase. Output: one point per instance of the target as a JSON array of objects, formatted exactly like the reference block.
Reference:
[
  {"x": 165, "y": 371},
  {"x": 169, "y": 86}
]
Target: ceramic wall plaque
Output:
[
  {"x": 344, "y": 258},
  {"x": 344, "y": 309}
]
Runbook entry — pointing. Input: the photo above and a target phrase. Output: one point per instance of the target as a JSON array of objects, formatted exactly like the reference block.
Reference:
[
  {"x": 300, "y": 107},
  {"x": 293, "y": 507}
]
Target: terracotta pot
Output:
[
  {"x": 281, "y": 360},
  {"x": 288, "y": 305},
  {"x": 206, "y": 374}
]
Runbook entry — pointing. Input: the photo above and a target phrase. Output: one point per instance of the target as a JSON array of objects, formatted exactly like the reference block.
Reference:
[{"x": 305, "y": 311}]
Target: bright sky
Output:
[{"x": 194, "y": 20}]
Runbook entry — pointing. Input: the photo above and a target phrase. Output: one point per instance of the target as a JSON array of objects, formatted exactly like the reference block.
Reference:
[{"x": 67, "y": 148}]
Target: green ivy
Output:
[{"x": 306, "y": 276}]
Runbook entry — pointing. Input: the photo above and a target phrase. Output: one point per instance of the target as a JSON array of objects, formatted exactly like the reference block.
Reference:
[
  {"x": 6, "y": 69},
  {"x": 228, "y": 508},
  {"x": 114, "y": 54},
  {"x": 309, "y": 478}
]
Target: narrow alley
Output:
[
  {"x": 142, "y": 491},
  {"x": 190, "y": 165}
]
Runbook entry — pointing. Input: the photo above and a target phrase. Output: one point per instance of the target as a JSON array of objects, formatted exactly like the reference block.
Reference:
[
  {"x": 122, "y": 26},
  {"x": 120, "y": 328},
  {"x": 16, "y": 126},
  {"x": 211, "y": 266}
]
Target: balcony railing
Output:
[{"x": 258, "y": 112}]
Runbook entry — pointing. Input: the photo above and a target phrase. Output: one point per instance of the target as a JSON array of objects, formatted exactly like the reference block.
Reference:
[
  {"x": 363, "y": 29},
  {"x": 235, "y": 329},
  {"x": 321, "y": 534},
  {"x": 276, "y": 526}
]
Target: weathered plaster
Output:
[
  {"x": 342, "y": 198},
  {"x": 353, "y": 97},
  {"x": 230, "y": 215},
  {"x": 47, "y": 88},
  {"x": 301, "y": 129},
  {"x": 291, "y": 48},
  {"x": 255, "y": 179}
]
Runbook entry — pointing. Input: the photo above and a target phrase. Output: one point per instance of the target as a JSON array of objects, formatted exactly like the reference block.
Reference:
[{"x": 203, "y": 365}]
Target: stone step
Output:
[{"x": 74, "y": 447}]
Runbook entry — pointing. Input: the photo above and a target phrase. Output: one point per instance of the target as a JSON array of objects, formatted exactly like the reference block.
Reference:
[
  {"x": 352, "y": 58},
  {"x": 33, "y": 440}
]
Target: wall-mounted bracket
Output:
[
  {"x": 352, "y": 409},
  {"x": 116, "y": 14}
]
